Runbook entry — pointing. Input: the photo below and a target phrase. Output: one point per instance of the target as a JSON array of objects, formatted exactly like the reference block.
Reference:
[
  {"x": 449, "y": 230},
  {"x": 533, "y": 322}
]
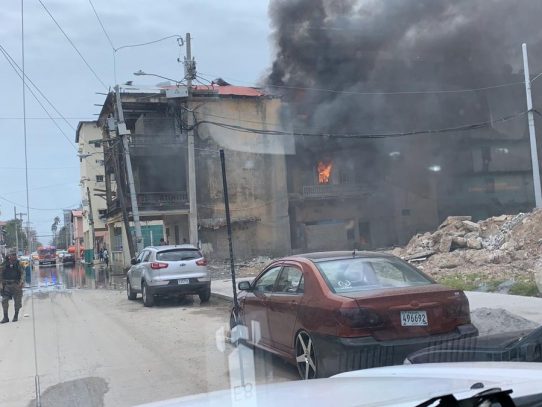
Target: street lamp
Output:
[{"x": 141, "y": 73}]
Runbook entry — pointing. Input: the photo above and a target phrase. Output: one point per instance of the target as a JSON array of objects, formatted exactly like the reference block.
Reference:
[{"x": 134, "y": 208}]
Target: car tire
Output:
[
  {"x": 148, "y": 298},
  {"x": 205, "y": 295},
  {"x": 132, "y": 295},
  {"x": 305, "y": 356}
]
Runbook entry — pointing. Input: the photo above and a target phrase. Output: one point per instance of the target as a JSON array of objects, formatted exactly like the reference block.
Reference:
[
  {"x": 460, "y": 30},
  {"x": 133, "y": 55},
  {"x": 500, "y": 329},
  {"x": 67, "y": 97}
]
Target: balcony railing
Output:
[
  {"x": 323, "y": 191},
  {"x": 155, "y": 201}
]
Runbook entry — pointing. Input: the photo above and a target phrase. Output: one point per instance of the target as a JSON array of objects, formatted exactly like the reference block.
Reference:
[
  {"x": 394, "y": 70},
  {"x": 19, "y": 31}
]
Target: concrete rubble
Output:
[{"x": 500, "y": 249}]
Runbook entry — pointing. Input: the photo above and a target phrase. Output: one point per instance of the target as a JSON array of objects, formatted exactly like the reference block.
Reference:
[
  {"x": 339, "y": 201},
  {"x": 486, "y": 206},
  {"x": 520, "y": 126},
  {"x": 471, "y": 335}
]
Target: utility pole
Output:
[
  {"x": 190, "y": 74},
  {"x": 20, "y": 215},
  {"x": 16, "y": 231},
  {"x": 532, "y": 134},
  {"x": 122, "y": 132},
  {"x": 91, "y": 223}
]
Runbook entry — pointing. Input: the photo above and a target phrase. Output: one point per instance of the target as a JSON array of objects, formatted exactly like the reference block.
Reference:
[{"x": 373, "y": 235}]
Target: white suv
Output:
[{"x": 168, "y": 270}]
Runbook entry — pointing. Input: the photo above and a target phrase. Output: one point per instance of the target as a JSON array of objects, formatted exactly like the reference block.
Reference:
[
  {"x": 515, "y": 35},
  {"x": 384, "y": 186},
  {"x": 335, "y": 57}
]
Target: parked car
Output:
[
  {"x": 168, "y": 270},
  {"x": 333, "y": 312},
  {"x": 517, "y": 346},
  {"x": 68, "y": 258},
  {"x": 449, "y": 384}
]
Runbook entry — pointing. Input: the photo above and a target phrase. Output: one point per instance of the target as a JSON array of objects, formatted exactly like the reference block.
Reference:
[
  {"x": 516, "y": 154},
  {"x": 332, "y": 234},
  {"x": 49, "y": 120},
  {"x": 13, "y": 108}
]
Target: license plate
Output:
[
  {"x": 184, "y": 281},
  {"x": 414, "y": 318}
]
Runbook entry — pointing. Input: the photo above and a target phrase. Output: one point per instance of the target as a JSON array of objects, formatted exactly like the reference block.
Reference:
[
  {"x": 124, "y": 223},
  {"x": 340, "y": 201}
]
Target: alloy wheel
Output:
[{"x": 305, "y": 356}]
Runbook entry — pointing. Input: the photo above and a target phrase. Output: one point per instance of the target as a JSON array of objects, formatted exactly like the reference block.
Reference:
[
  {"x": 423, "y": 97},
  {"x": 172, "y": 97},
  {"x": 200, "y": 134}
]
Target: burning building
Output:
[{"x": 404, "y": 112}]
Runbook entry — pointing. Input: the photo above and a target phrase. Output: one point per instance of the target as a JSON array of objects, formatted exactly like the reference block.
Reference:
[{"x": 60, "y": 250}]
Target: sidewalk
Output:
[{"x": 526, "y": 307}]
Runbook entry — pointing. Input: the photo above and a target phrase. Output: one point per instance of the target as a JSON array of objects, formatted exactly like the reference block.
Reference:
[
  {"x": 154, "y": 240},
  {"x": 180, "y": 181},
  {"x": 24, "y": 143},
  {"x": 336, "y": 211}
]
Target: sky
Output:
[{"x": 229, "y": 39}]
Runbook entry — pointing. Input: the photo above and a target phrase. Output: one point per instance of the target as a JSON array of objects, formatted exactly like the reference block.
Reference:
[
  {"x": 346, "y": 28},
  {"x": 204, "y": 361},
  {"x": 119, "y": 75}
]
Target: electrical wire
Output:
[
  {"x": 148, "y": 43},
  {"x": 384, "y": 93},
  {"x": 73, "y": 45},
  {"x": 364, "y": 135},
  {"x": 36, "y": 367},
  {"x": 37, "y": 99},
  {"x": 101, "y": 25},
  {"x": 37, "y": 88}
]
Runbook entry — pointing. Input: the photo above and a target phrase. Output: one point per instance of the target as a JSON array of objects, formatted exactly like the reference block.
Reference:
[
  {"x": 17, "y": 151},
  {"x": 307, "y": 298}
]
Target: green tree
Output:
[
  {"x": 11, "y": 226},
  {"x": 60, "y": 241}
]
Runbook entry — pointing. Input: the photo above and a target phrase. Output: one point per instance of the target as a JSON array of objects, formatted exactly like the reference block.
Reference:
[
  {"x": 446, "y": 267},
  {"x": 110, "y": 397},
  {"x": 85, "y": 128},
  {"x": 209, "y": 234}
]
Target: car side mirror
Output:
[
  {"x": 133, "y": 261},
  {"x": 244, "y": 286}
]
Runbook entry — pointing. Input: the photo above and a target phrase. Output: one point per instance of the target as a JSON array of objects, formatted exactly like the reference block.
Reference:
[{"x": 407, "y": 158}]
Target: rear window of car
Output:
[
  {"x": 178, "y": 255},
  {"x": 359, "y": 274}
]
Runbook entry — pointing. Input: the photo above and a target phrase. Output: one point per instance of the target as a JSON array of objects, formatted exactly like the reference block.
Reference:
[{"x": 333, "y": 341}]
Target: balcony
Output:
[
  {"x": 159, "y": 145},
  {"x": 325, "y": 191},
  {"x": 155, "y": 201}
]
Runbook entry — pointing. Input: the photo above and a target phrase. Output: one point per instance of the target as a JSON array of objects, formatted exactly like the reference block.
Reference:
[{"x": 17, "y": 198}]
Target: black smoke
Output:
[{"x": 327, "y": 52}]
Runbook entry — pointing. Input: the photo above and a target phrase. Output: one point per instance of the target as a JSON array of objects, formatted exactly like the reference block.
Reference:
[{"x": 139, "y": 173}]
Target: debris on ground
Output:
[
  {"x": 501, "y": 253},
  {"x": 250, "y": 267},
  {"x": 497, "y": 320}
]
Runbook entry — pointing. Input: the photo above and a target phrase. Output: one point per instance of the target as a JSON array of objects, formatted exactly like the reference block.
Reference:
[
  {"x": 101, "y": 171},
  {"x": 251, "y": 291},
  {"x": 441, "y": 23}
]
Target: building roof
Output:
[
  {"x": 80, "y": 125},
  {"x": 231, "y": 90}
]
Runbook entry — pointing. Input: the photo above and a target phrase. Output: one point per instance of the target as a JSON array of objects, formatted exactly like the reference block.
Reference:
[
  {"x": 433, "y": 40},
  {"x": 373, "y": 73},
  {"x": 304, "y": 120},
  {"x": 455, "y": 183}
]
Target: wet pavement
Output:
[{"x": 75, "y": 276}]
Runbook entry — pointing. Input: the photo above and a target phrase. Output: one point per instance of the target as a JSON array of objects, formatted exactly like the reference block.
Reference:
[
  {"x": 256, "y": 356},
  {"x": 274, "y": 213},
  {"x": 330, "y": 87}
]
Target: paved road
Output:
[{"x": 95, "y": 345}]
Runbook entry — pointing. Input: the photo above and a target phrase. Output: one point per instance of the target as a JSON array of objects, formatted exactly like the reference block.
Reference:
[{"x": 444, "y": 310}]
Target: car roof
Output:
[
  {"x": 316, "y": 257},
  {"x": 170, "y": 247}
]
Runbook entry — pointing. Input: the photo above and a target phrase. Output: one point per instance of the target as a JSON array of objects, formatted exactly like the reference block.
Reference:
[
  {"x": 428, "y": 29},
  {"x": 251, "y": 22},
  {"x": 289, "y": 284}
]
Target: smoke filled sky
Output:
[{"x": 402, "y": 46}]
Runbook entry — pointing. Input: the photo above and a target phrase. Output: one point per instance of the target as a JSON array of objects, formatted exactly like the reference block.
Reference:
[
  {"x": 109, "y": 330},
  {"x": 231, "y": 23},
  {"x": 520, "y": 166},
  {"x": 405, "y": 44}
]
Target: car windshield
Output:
[
  {"x": 217, "y": 195},
  {"x": 178, "y": 255},
  {"x": 347, "y": 275}
]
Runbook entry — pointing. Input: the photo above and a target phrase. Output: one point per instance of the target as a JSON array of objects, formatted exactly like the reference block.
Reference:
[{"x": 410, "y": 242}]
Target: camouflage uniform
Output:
[{"x": 11, "y": 285}]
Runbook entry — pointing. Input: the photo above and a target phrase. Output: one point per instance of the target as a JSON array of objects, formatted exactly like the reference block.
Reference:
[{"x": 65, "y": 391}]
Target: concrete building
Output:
[
  {"x": 159, "y": 128},
  {"x": 78, "y": 234},
  {"x": 92, "y": 171}
]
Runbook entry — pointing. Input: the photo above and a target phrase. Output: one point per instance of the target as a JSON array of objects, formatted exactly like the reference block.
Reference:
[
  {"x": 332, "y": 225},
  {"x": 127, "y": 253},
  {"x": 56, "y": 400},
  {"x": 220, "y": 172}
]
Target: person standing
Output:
[
  {"x": 106, "y": 257},
  {"x": 11, "y": 284}
]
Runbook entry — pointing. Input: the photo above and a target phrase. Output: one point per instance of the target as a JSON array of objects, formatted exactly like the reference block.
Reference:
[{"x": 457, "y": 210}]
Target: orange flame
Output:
[{"x": 324, "y": 171}]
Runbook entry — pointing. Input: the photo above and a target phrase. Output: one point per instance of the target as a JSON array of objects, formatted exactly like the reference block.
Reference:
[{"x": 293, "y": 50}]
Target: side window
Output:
[
  {"x": 289, "y": 280},
  {"x": 141, "y": 255},
  {"x": 266, "y": 282},
  {"x": 146, "y": 256}
]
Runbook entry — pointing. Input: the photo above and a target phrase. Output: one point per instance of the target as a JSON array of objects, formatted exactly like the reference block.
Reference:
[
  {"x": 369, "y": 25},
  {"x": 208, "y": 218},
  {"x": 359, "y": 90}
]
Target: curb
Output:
[{"x": 222, "y": 296}]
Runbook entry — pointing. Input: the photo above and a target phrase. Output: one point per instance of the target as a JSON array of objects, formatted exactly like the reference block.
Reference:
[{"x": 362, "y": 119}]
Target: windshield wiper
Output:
[{"x": 490, "y": 397}]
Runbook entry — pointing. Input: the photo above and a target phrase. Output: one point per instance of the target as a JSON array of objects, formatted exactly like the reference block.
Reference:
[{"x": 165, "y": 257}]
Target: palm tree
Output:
[{"x": 54, "y": 228}]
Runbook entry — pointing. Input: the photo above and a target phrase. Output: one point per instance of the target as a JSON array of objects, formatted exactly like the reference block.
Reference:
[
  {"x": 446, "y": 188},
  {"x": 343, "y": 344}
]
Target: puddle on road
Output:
[
  {"x": 78, "y": 276},
  {"x": 86, "y": 392}
]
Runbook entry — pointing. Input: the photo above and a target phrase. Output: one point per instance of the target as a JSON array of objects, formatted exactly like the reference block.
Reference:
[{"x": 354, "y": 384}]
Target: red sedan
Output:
[{"x": 333, "y": 312}]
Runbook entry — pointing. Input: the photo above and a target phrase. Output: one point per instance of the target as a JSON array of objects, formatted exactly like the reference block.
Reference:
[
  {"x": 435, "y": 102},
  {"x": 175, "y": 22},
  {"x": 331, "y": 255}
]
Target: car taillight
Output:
[
  {"x": 458, "y": 308},
  {"x": 157, "y": 265},
  {"x": 201, "y": 262},
  {"x": 359, "y": 317}
]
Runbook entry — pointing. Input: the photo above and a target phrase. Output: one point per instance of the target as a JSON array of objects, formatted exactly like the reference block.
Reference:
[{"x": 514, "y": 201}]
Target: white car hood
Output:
[{"x": 405, "y": 385}]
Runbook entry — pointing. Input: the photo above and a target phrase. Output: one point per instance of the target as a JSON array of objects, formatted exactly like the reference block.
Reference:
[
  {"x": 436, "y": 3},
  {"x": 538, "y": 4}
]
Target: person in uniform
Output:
[{"x": 11, "y": 286}]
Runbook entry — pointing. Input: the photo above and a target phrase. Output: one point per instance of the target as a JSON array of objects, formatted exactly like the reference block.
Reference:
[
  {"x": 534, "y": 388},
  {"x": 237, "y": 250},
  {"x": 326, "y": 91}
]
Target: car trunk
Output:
[
  {"x": 181, "y": 264},
  {"x": 414, "y": 311}
]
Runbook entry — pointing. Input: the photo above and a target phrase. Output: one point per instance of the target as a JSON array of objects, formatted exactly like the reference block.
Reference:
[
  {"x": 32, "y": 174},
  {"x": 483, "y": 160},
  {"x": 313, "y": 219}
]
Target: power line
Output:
[
  {"x": 364, "y": 135},
  {"x": 73, "y": 45},
  {"x": 383, "y": 93},
  {"x": 37, "y": 99},
  {"x": 148, "y": 43},
  {"x": 101, "y": 25},
  {"x": 37, "y": 88},
  {"x": 35, "y": 209}
]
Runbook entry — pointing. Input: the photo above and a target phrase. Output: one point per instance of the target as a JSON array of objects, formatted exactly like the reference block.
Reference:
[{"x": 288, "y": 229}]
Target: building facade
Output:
[{"x": 92, "y": 170}]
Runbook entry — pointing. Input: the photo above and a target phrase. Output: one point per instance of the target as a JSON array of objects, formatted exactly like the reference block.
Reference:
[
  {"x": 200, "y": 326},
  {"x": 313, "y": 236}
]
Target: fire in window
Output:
[{"x": 324, "y": 169}]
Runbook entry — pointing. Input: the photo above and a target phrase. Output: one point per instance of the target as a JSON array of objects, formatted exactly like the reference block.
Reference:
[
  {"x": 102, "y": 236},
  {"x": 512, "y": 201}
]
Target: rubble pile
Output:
[
  {"x": 503, "y": 249},
  {"x": 243, "y": 267}
]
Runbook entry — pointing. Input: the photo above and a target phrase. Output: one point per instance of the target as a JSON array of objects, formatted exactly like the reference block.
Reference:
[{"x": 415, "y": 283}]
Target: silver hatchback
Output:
[{"x": 168, "y": 270}]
